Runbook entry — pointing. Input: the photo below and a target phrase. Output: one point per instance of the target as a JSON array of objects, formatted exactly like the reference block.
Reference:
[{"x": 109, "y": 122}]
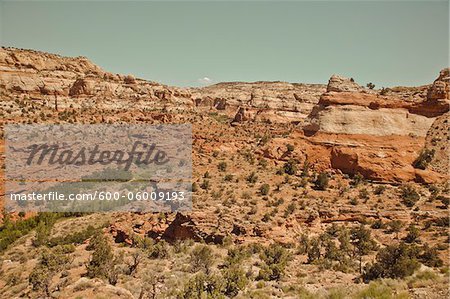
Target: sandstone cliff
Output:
[
  {"x": 280, "y": 102},
  {"x": 380, "y": 135}
]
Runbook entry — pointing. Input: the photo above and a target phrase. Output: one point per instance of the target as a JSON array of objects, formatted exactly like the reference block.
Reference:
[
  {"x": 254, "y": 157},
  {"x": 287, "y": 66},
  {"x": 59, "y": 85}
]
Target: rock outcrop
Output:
[
  {"x": 28, "y": 74},
  {"x": 380, "y": 136},
  {"x": 438, "y": 143},
  {"x": 279, "y": 102},
  {"x": 340, "y": 84},
  {"x": 441, "y": 86}
]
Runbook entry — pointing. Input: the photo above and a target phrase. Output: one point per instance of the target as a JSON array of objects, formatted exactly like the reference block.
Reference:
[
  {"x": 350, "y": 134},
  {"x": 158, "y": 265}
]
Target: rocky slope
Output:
[
  {"x": 49, "y": 78},
  {"x": 258, "y": 152}
]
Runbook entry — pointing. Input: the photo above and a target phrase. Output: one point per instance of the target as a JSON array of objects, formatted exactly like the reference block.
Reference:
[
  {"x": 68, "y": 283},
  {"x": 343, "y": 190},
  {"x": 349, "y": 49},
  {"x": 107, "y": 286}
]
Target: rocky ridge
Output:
[{"x": 377, "y": 133}]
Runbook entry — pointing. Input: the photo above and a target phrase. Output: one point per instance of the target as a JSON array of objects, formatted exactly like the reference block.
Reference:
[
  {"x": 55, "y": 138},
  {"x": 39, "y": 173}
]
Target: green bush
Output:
[
  {"x": 393, "y": 261},
  {"x": 430, "y": 257},
  {"x": 290, "y": 167},
  {"x": 75, "y": 238},
  {"x": 362, "y": 241},
  {"x": 252, "y": 178},
  {"x": 201, "y": 258},
  {"x": 234, "y": 280},
  {"x": 264, "y": 189},
  {"x": 413, "y": 234},
  {"x": 103, "y": 262},
  {"x": 370, "y": 85},
  {"x": 159, "y": 250},
  {"x": 50, "y": 263},
  {"x": 379, "y": 190},
  {"x": 321, "y": 183},
  {"x": 222, "y": 166},
  {"x": 275, "y": 258},
  {"x": 409, "y": 195},
  {"x": 10, "y": 231},
  {"x": 236, "y": 255},
  {"x": 205, "y": 185},
  {"x": 378, "y": 290},
  {"x": 357, "y": 179},
  {"x": 202, "y": 286}
]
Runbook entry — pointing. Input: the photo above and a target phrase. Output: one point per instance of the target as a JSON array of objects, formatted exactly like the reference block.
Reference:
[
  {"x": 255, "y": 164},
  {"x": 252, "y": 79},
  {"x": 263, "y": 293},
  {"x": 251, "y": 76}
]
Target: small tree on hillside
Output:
[
  {"x": 103, "y": 262},
  {"x": 362, "y": 242},
  {"x": 321, "y": 183},
  {"x": 290, "y": 167}
]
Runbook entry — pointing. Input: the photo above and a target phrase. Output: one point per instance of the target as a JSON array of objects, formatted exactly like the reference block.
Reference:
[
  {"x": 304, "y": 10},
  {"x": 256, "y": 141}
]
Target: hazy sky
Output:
[{"x": 179, "y": 43}]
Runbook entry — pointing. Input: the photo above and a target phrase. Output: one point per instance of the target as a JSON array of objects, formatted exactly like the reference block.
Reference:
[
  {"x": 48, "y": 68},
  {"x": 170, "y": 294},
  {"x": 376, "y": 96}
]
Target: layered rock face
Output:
[
  {"x": 27, "y": 74},
  {"x": 76, "y": 82},
  {"x": 279, "y": 102},
  {"x": 379, "y": 135}
]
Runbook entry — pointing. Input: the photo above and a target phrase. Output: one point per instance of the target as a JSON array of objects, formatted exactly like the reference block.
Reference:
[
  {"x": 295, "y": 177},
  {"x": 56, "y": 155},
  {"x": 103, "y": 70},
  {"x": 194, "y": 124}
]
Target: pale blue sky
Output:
[{"x": 177, "y": 43}]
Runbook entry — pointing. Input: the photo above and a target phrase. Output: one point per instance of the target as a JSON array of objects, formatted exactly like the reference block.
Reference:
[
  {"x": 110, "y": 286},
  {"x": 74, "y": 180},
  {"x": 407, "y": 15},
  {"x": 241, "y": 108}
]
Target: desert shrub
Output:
[
  {"x": 103, "y": 263},
  {"x": 363, "y": 194},
  {"x": 380, "y": 290},
  {"x": 264, "y": 189},
  {"x": 252, "y": 178},
  {"x": 228, "y": 178},
  {"x": 393, "y": 261},
  {"x": 205, "y": 185},
  {"x": 42, "y": 234},
  {"x": 10, "y": 231},
  {"x": 321, "y": 183},
  {"x": 290, "y": 167},
  {"x": 357, "y": 179},
  {"x": 379, "y": 190},
  {"x": 202, "y": 286},
  {"x": 413, "y": 234},
  {"x": 353, "y": 201},
  {"x": 409, "y": 195},
  {"x": 424, "y": 158},
  {"x": 50, "y": 263},
  {"x": 201, "y": 258},
  {"x": 443, "y": 221},
  {"x": 430, "y": 257},
  {"x": 324, "y": 251},
  {"x": 289, "y": 209},
  {"x": 75, "y": 238},
  {"x": 445, "y": 200},
  {"x": 236, "y": 255},
  {"x": 222, "y": 166},
  {"x": 290, "y": 147},
  {"x": 133, "y": 262},
  {"x": 395, "y": 226},
  {"x": 378, "y": 224},
  {"x": 275, "y": 258},
  {"x": 263, "y": 163},
  {"x": 370, "y": 85},
  {"x": 182, "y": 246},
  {"x": 159, "y": 250},
  {"x": 234, "y": 280},
  {"x": 384, "y": 91},
  {"x": 266, "y": 217},
  {"x": 361, "y": 239}
]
